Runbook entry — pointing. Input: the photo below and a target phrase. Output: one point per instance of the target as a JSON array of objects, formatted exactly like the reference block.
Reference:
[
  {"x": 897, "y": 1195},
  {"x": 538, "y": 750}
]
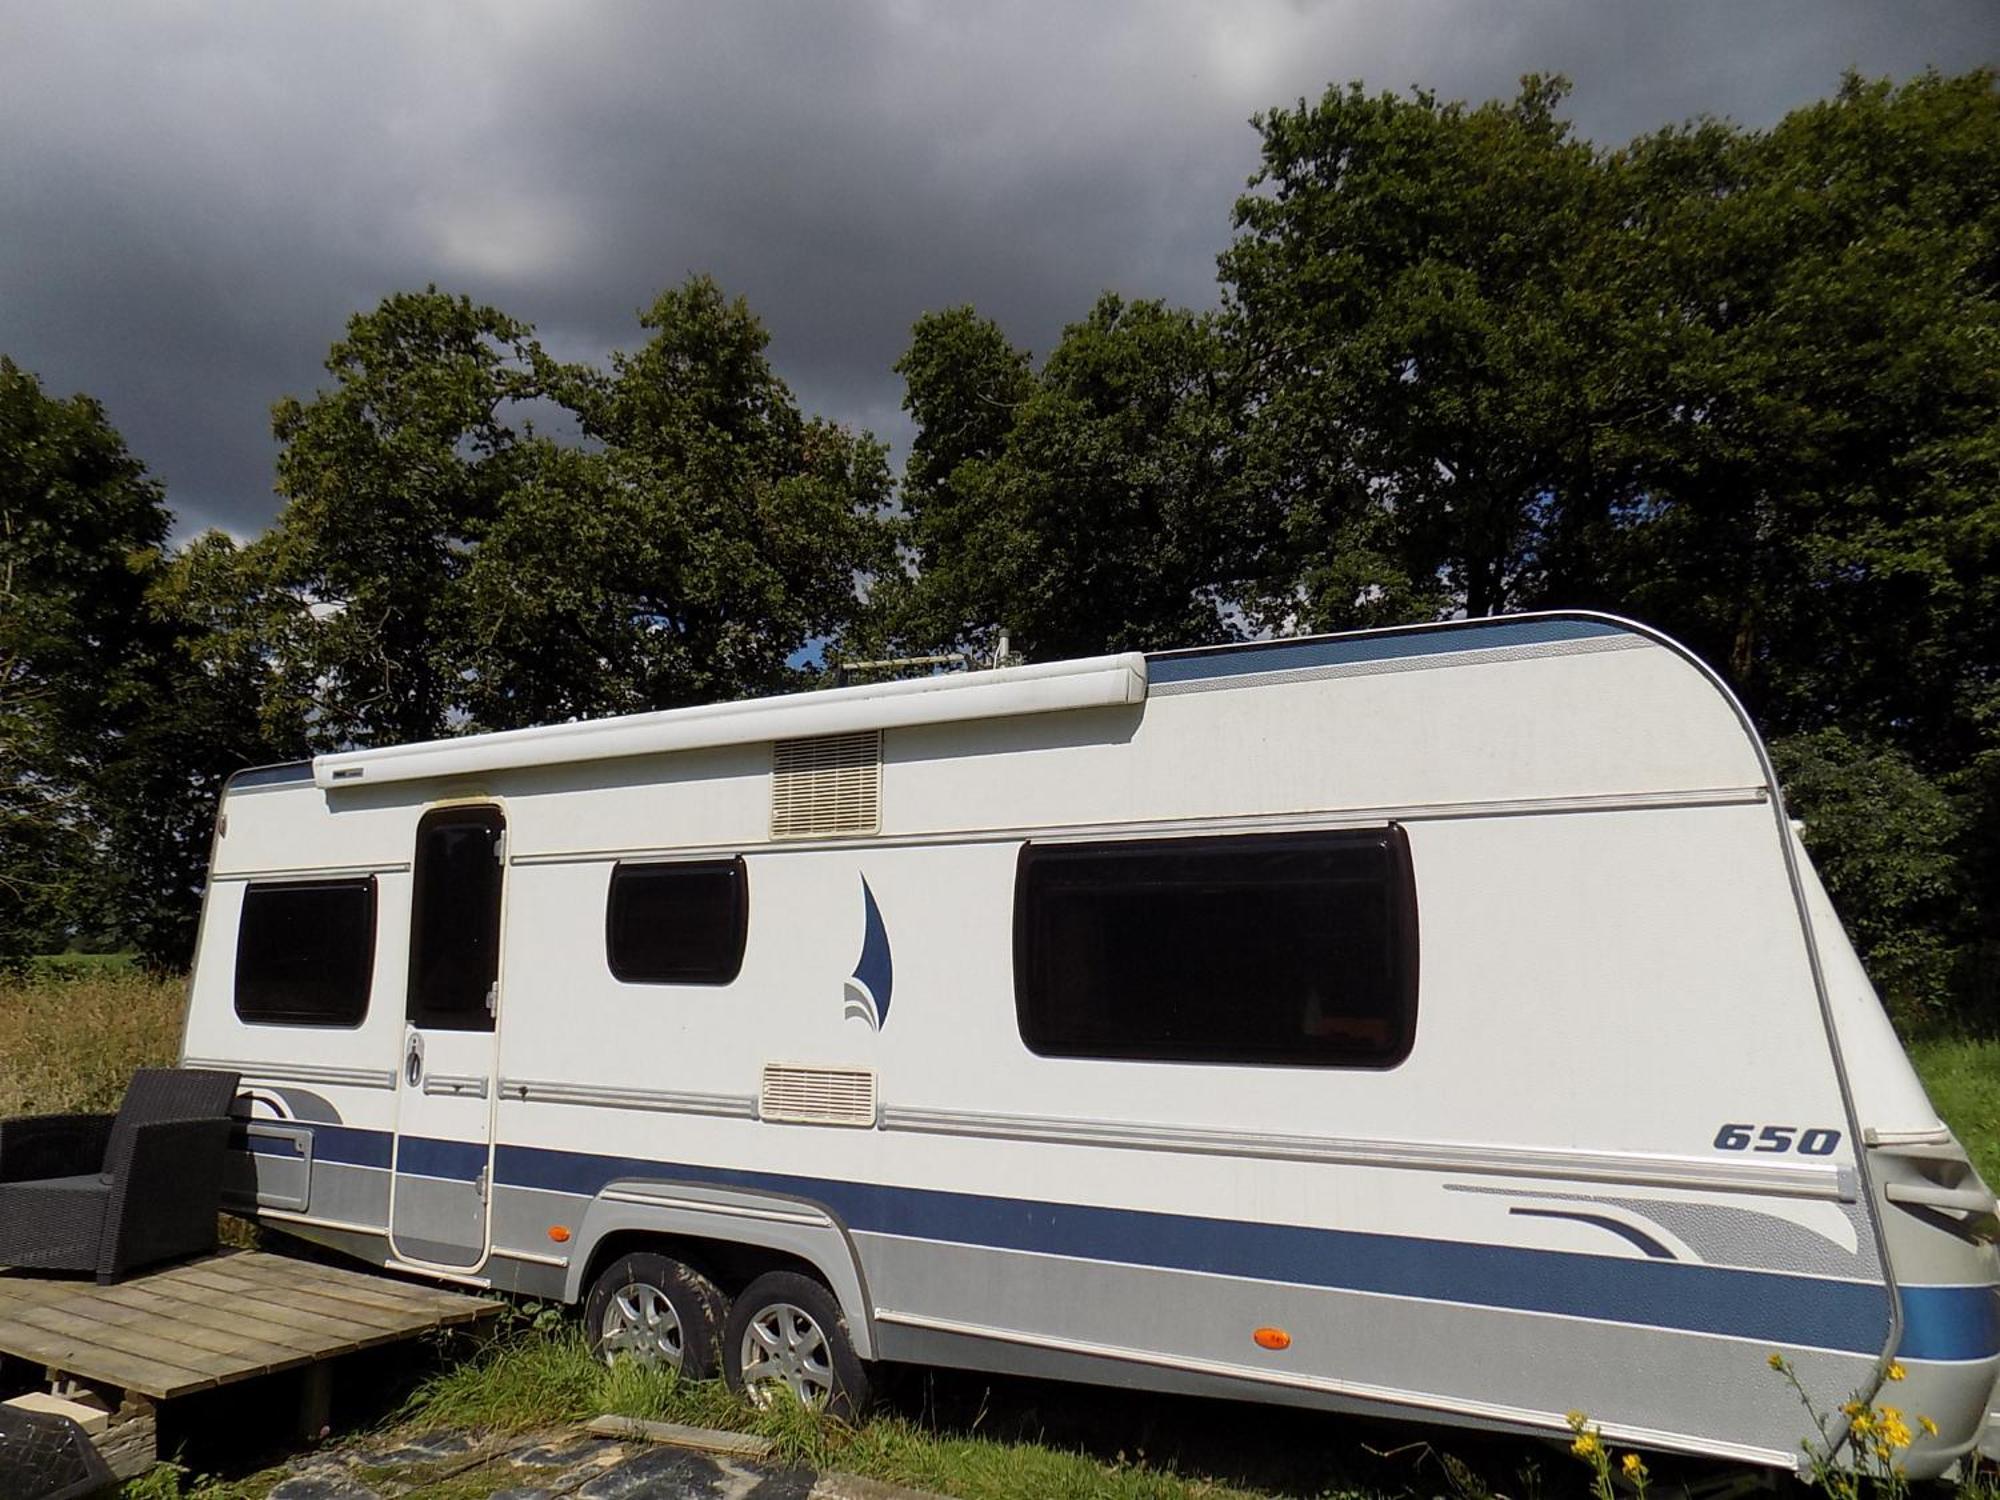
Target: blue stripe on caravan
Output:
[
  {"x": 1941, "y": 1322},
  {"x": 1789, "y": 1310},
  {"x": 1950, "y": 1322},
  {"x": 1326, "y": 651},
  {"x": 352, "y": 1147},
  {"x": 426, "y": 1157}
]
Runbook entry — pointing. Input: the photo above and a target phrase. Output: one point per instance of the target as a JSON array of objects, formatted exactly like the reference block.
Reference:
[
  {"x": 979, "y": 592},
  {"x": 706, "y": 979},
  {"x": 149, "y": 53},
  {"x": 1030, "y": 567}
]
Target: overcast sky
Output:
[{"x": 193, "y": 198}]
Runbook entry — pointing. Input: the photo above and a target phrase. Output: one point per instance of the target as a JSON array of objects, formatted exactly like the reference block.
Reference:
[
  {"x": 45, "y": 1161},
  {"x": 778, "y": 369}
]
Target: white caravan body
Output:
[{"x": 1597, "y": 1111}]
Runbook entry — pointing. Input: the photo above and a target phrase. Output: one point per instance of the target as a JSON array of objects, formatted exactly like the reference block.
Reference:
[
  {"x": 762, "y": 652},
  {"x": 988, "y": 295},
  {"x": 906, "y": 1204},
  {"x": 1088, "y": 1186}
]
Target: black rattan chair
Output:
[{"x": 113, "y": 1193}]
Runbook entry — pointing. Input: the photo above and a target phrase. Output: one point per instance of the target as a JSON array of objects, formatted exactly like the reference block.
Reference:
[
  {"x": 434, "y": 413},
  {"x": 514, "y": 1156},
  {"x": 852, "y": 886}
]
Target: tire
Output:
[
  {"x": 786, "y": 1331},
  {"x": 657, "y": 1311}
]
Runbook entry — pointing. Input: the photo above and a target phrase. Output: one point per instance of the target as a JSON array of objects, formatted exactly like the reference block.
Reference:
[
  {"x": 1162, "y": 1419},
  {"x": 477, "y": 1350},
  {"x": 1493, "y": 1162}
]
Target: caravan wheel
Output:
[
  {"x": 786, "y": 1335},
  {"x": 656, "y": 1311}
]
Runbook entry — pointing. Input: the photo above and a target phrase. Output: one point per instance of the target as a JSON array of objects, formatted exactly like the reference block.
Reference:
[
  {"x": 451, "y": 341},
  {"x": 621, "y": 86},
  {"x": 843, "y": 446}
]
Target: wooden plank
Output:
[
  {"x": 77, "y": 1355},
  {"x": 137, "y": 1342},
  {"x": 219, "y": 1307},
  {"x": 20, "y": 1291},
  {"x": 120, "y": 1308},
  {"x": 364, "y": 1303},
  {"x": 183, "y": 1316},
  {"x": 706, "y": 1439},
  {"x": 299, "y": 1297},
  {"x": 375, "y": 1291},
  {"x": 226, "y": 1317}
]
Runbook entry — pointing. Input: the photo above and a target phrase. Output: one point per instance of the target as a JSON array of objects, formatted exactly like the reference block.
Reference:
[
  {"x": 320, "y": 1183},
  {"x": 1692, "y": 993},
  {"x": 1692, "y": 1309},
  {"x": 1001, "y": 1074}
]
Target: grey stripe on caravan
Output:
[
  {"x": 1511, "y": 1416},
  {"x": 1827, "y": 1182},
  {"x": 357, "y": 1078},
  {"x": 472, "y": 1086},
  {"x": 1425, "y": 663},
  {"x": 1357, "y": 817},
  {"x": 661, "y": 1101}
]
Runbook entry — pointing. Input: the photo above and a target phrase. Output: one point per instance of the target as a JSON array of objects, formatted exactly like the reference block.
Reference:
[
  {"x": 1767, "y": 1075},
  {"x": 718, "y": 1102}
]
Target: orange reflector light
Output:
[
  {"x": 1272, "y": 1338},
  {"x": 559, "y": 1233}
]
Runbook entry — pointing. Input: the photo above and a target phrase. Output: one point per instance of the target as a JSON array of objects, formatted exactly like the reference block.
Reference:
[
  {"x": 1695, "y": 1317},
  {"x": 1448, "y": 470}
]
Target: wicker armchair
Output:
[{"x": 111, "y": 1194}]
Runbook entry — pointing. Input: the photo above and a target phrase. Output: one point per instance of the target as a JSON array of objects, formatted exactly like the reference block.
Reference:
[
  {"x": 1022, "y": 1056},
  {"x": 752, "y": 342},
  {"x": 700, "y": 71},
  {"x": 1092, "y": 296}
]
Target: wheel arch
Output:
[{"x": 730, "y": 1234}]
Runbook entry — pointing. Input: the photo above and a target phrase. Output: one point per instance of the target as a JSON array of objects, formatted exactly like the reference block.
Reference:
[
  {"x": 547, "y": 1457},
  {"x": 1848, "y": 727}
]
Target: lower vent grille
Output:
[{"x": 804, "y": 1095}]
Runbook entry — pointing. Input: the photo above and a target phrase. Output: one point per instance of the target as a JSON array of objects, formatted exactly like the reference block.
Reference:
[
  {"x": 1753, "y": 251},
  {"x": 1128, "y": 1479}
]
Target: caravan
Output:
[{"x": 1442, "y": 1022}]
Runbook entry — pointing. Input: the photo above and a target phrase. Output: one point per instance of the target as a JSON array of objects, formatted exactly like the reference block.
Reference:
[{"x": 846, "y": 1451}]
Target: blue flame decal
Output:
[{"x": 874, "y": 975}]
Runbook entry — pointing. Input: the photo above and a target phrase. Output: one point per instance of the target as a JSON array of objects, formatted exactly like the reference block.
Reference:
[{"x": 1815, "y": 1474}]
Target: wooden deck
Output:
[{"x": 209, "y": 1322}]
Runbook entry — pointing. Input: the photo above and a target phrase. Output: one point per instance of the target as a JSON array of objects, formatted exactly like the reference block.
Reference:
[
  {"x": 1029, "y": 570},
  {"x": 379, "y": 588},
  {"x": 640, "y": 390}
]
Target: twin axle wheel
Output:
[{"x": 783, "y": 1334}]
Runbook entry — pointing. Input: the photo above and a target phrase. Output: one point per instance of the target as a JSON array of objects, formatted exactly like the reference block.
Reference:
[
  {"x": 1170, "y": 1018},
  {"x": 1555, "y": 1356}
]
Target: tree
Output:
[
  {"x": 390, "y": 478},
  {"x": 1887, "y": 842},
  {"x": 78, "y": 519},
  {"x": 1823, "y": 487},
  {"x": 713, "y": 535},
  {"x": 1093, "y": 506},
  {"x": 205, "y": 693},
  {"x": 1414, "y": 291}
]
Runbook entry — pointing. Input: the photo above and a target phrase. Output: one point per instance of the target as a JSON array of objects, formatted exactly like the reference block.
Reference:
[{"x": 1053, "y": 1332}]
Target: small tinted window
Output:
[
  {"x": 678, "y": 923},
  {"x": 1290, "y": 949},
  {"x": 305, "y": 952}
]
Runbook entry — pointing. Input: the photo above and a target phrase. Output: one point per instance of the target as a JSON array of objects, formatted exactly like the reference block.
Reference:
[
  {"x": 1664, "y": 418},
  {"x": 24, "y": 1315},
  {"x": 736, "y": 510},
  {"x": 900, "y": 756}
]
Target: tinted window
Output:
[
  {"x": 304, "y": 953},
  {"x": 678, "y": 924},
  {"x": 1295, "y": 949},
  {"x": 455, "y": 919}
]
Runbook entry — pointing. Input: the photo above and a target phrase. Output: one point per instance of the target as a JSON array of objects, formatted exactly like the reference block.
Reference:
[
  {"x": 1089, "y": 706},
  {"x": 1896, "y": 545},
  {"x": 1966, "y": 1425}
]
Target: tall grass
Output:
[
  {"x": 69, "y": 1040},
  {"x": 1963, "y": 1078}
]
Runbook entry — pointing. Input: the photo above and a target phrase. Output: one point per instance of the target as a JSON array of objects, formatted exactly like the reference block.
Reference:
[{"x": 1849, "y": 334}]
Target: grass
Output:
[
  {"x": 71, "y": 1034},
  {"x": 70, "y": 1039},
  {"x": 532, "y": 1380},
  {"x": 1963, "y": 1078}
]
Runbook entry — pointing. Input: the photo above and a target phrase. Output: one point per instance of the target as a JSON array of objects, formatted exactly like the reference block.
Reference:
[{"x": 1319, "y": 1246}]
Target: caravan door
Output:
[{"x": 439, "y": 1193}]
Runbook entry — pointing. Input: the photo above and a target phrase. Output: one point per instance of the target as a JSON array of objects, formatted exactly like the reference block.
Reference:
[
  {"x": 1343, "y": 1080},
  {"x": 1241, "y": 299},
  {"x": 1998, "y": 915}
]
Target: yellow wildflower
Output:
[
  {"x": 1929, "y": 1427},
  {"x": 1586, "y": 1445},
  {"x": 1777, "y": 1360},
  {"x": 1896, "y": 1371},
  {"x": 1633, "y": 1465},
  {"x": 1576, "y": 1420},
  {"x": 1853, "y": 1408},
  {"x": 1895, "y": 1431},
  {"x": 1864, "y": 1422}
]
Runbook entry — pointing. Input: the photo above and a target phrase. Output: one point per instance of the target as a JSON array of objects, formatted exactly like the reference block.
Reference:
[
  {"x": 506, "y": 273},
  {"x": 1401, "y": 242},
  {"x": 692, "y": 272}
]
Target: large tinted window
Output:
[
  {"x": 679, "y": 923},
  {"x": 455, "y": 919},
  {"x": 304, "y": 953},
  {"x": 1291, "y": 949}
]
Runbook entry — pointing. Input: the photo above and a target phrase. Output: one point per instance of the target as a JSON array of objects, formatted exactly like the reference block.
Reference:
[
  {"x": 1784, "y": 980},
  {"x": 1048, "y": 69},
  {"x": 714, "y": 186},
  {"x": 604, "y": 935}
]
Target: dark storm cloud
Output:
[{"x": 193, "y": 199}]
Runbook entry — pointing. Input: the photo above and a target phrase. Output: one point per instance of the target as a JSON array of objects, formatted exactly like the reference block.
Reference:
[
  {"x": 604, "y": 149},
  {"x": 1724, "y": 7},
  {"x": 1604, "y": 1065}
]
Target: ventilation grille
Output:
[
  {"x": 828, "y": 785},
  {"x": 817, "y": 1096}
]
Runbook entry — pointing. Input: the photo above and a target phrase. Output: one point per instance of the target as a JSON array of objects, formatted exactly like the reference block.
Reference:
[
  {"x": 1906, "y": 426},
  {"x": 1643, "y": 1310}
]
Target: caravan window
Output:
[
  {"x": 455, "y": 919},
  {"x": 305, "y": 952},
  {"x": 1289, "y": 949},
  {"x": 677, "y": 923}
]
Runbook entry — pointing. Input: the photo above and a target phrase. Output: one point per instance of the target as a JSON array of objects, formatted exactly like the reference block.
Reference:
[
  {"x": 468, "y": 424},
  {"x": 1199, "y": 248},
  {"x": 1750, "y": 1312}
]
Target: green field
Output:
[{"x": 70, "y": 1042}]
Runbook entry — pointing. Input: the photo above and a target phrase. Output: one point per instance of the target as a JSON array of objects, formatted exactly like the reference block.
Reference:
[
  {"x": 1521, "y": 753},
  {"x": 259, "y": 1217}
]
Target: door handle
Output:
[{"x": 413, "y": 1061}]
